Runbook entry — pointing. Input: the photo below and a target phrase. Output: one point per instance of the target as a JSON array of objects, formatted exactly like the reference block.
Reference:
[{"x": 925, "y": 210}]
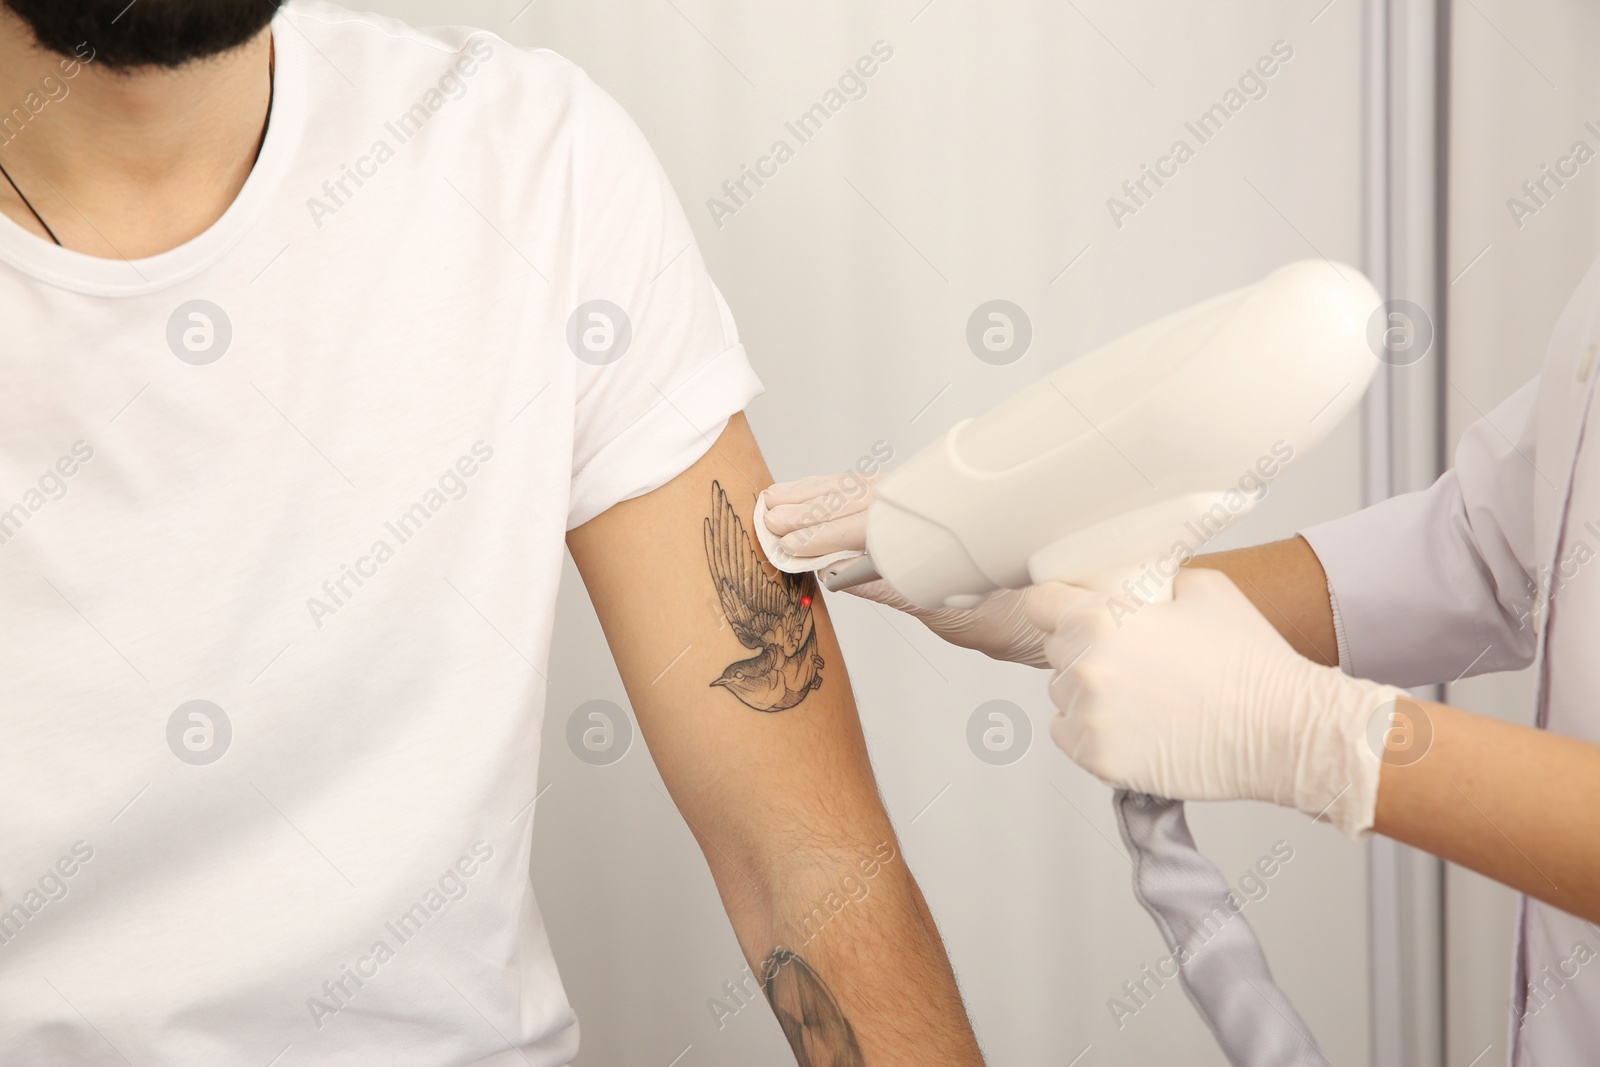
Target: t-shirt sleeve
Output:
[
  {"x": 1436, "y": 585},
  {"x": 659, "y": 366}
]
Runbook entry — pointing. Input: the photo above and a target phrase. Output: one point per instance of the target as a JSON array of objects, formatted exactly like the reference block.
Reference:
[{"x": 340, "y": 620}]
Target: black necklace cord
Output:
[
  {"x": 29, "y": 205},
  {"x": 272, "y": 92}
]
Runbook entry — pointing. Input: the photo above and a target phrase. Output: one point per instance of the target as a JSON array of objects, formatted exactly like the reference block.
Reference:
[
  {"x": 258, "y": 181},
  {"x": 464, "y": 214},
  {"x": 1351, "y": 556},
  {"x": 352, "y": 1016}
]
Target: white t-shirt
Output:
[{"x": 281, "y": 524}]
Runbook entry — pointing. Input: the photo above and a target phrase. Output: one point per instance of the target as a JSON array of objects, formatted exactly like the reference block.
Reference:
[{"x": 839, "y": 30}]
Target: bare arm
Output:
[
  {"x": 741, "y": 692},
  {"x": 1486, "y": 793},
  {"x": 1519, "y": 805},
  {"x": 1286, "y": 583}
]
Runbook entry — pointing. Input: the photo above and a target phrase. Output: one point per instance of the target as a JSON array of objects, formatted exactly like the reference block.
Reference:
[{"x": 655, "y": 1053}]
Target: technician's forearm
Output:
[
  {"x": 1487, "y": 792},
  {"x": 1516, "y": 804},
  {"x": 849, "y": 961},
  {"x": 1286, "y": 583}
]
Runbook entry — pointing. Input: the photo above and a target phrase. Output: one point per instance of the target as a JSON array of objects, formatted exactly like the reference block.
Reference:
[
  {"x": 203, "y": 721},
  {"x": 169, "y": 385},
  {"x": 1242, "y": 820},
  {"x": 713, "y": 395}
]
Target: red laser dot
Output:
[{"x": 805, "y": 601}]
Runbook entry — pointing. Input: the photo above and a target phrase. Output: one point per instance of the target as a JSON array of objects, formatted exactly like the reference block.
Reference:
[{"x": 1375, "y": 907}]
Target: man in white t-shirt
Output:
[{"x": 321, "y": 337}]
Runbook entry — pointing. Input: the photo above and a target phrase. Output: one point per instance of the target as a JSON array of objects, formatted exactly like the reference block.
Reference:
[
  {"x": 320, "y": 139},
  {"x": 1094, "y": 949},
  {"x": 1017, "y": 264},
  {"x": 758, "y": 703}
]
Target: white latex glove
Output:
[
  {"x": 823, "y": 514},
  {"x": 1200, "y": 698}
]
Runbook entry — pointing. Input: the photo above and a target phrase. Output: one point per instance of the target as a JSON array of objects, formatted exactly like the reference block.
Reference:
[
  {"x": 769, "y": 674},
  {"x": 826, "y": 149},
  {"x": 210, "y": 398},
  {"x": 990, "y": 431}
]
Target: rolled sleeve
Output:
[
  {"x": 1436, "y": 585},
  {"x": 667, "y": 439}
]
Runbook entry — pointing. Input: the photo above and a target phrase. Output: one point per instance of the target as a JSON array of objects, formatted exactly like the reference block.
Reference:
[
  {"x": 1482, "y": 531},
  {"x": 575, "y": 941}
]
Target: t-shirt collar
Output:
[{"x": 66, "y": 269}]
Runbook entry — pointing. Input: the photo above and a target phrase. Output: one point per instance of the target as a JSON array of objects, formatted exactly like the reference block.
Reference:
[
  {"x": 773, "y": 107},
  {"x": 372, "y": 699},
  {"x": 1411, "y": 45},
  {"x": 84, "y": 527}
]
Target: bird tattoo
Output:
[{"x": 770, "y": 614}]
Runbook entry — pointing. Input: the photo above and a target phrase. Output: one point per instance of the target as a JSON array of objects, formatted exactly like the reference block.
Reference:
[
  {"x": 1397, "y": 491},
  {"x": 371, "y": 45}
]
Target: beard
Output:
[{"x": 146, "y": 33}]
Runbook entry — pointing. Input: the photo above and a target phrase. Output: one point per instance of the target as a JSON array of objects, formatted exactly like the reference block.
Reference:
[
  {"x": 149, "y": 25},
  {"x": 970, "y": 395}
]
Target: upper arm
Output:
[
  {"x": 750, "y": 782},
  {"x": 763, "y": 766},
  {"x": 1432, "y": 585}
]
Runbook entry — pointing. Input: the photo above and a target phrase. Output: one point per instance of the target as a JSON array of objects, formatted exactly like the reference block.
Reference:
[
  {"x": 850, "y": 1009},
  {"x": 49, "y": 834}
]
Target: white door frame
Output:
[{"x": 1405, "y": 156}]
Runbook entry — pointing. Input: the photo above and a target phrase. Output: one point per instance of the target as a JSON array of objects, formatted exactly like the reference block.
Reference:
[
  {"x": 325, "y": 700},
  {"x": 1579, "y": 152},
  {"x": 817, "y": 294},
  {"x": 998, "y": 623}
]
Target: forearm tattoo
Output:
[
  {"x": 769, "y": 612},
  {"x": 817, "y": 1030}
]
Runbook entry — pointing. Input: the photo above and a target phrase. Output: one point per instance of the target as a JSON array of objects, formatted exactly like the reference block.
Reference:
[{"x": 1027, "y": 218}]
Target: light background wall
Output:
[{"x": 978, "y": 166}]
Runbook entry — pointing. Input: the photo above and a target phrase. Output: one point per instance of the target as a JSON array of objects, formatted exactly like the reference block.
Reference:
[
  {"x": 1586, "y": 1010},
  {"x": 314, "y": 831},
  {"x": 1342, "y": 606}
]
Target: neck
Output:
[{"x": 126, "y": 164}]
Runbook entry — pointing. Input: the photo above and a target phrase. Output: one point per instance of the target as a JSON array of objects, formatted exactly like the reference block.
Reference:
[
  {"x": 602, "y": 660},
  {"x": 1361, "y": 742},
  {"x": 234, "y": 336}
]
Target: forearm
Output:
[
  {"x": 1485, "y": 793},
  {"x": 1286, "y": 583},
  {"x": 1516, "y": 804},
  {"x": 844, "y": 952}
]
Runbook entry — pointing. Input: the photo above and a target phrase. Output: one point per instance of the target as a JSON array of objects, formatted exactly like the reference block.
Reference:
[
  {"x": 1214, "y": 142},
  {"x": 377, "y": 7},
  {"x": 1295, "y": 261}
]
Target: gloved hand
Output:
[
  {"x": 1200, "y": 698},
  {"x": 819, "y": 515}
]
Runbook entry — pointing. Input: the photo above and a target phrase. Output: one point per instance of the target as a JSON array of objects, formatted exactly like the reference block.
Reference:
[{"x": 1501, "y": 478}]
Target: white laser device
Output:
[{"x": 1095, "y": 473}]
